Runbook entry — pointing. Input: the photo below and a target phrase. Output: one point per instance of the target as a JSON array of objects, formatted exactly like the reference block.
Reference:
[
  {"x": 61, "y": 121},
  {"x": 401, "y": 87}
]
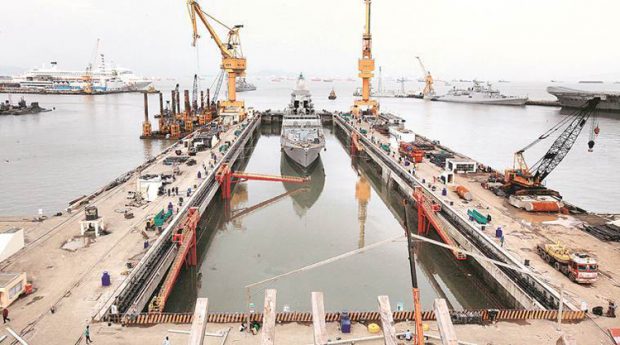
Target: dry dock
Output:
[{"x": 68, "y": 292}]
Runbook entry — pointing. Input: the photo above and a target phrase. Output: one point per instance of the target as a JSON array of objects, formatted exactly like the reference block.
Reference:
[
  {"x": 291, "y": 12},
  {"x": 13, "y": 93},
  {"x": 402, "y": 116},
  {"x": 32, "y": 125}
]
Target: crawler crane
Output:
[{"x": 524, "y": 179}]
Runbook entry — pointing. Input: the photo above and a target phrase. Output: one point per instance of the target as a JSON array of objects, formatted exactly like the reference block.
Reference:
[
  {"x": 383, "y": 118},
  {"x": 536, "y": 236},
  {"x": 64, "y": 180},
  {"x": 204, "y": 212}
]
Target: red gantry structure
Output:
[
  {"x": 225, "y": 177},
  {"x": 427, "y": 217},
  {"x": 184, "y": 237}
]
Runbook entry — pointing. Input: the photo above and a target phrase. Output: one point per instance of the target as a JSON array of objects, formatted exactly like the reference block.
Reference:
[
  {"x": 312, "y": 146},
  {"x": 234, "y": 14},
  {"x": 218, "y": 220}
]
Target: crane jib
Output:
[{"x": 564, "y": 142}]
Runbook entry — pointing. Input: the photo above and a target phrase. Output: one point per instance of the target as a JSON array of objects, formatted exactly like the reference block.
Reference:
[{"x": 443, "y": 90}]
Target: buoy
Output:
[{"x": 374, "y": 328}]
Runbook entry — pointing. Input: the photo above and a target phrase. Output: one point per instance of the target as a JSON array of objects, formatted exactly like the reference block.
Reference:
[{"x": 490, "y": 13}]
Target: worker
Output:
[
  {"x": 408, "y": 335},
  {"x": 611, "y": 309},
  {"x": 254, "y": 327},
  {"x": 87, "y": 335},
  {"x": 5, "y": 315},
  {"x": 166, "y": 341},
  {"x": 114, "y": 311},
  {"x": 199, "y": 175}
]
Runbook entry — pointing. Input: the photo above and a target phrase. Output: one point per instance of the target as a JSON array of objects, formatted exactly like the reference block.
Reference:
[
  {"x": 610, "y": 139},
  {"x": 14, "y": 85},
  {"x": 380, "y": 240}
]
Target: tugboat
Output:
[
  {"x": 21, "y": 108},
  {"x": 302, "y": 137},
  {"x": 332, "y": 95}
]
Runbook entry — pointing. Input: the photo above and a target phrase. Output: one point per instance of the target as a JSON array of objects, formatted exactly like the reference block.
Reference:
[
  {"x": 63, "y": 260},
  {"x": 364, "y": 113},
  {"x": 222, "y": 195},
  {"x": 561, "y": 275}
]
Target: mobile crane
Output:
[
  {"x": 233, "y": 61},
  {"x": 428, "y": 91},
  {"x": 366, "y": 66},
  {"x": 523, "y": 179}
]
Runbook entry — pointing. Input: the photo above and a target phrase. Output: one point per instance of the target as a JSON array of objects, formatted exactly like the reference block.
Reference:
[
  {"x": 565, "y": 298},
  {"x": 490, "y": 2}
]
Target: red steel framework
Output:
[
  {"x": 225, "y": 177},
  {"x": 427, "y": 217},
  {"x": 184, "y": 238}
]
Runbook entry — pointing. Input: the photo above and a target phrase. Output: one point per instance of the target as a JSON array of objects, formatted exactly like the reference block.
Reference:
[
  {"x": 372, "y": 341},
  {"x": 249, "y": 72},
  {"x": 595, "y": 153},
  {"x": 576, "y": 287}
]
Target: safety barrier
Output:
[{"x": 483, "y": 315}]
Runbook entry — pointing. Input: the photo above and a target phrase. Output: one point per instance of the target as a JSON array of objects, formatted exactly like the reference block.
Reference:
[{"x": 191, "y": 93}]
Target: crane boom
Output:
[
  {"x": 560, "y": 147},
  {"x": 421, "y": 65}
]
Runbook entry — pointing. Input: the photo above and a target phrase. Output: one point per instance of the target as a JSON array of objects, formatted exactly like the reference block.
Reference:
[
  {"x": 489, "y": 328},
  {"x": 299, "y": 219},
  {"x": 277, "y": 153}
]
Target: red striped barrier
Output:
[{"x": 503, "y": 315}]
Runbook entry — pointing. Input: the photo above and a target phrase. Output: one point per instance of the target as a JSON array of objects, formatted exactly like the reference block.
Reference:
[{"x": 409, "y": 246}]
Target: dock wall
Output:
[
  {"x": 134, "y": 290},
  {"x": 526, "y": 290}
]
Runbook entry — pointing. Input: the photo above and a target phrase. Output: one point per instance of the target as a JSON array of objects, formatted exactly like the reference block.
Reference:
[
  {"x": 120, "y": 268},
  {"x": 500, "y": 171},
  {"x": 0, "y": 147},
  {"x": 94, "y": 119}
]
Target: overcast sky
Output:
[{"x": 485, "y": 39}]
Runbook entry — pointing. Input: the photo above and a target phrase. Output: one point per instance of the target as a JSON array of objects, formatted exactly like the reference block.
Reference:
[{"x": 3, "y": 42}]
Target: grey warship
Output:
[{"x": 302, "y": 136}]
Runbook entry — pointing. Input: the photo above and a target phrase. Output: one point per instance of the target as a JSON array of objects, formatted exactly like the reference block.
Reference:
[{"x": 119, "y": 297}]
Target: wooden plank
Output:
[
  {"x": 199, "y": 323},
  {"x": 444, "y": 322},
  {"x": 269, "y": 318},
  {"x": 318, "y": 319},
  {"x": 16, "y": 336},
  {"x": 387, "y": 321}
]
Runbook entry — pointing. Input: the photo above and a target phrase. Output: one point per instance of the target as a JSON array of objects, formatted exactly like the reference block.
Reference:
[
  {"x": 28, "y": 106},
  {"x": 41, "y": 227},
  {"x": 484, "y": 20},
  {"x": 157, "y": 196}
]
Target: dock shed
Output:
[
  {"x": 11, "y": 287},
  {"x": 11, "y": 241},
  {"x": 456, "y": 165},
  {"x": 402, "y": 134}
]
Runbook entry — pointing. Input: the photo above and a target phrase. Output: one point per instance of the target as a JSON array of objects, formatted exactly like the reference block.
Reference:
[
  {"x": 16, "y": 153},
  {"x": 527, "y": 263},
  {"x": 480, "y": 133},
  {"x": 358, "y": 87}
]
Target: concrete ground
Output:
[
  {"x": 537, "y": 332},
  {"x": 70, "y": 281}
]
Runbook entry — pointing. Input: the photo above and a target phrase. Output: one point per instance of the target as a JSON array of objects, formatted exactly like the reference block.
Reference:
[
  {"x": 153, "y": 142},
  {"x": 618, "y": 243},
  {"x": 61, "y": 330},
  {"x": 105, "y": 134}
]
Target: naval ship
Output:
[
  {"x": 243, "y": 86},
  {"x": 302, "y": 136},
  {"x": 480, "y": 94},
  {"x": 572, "y": 98}
]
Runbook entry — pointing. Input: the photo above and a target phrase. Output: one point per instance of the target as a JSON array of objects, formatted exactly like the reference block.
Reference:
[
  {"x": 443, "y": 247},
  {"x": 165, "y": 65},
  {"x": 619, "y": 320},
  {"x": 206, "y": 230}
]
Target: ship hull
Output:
[
  {"x": 303, "y": 156},
  {"x": 572, "y": 98},
  {"x": 517, "y": 101}
]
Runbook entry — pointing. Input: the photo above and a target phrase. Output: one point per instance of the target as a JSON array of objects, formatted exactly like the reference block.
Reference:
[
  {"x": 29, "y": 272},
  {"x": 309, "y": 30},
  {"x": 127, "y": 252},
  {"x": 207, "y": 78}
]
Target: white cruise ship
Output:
[{"x": 103, "y": 78}]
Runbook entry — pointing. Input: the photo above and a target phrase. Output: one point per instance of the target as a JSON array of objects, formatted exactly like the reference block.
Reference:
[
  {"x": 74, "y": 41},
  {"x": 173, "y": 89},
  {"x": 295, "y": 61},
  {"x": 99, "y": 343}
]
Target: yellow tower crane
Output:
[
  {"x": 366, "y": 66},
  {"x": 429, "y": 90},
  {"x": 233, "y": 62}
]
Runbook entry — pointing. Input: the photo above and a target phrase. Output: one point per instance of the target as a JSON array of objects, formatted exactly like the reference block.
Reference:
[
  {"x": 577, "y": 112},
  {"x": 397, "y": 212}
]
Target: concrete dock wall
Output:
[
  {"x": 525, "y": 290},
  {"x": 134, "y": 289}
]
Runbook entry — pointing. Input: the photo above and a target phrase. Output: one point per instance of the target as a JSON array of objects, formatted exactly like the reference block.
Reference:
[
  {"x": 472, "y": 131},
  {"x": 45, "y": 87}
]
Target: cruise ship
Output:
[
  {"x": 103, "y": 78},
  {"x": 480, "y": 94},
  {"x": 573, "y": 98},
  {"x": 302, "y": 137}
]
